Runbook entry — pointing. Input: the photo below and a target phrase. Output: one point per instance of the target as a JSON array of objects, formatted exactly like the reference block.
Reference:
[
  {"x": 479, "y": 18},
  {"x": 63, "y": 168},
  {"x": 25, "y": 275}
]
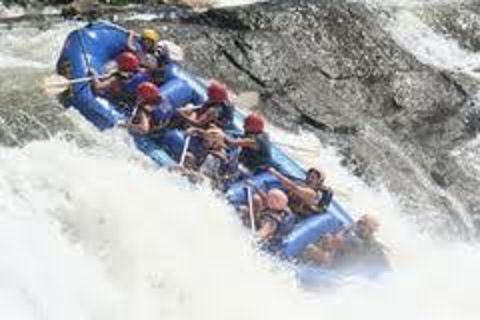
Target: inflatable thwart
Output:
[{"x": 98, "y": 43}]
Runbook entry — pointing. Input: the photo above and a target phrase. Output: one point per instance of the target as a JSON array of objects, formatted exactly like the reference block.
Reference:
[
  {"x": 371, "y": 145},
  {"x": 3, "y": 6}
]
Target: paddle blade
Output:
[
  {"x": 54, "y": 84},
  {"x": 247, "y": 100}
]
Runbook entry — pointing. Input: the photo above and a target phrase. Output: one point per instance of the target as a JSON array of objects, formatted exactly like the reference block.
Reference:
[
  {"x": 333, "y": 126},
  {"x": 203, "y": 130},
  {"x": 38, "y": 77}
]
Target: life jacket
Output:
[
  {"x": 125, "y": 89},
  {"x": 162, "y": 113},
  {"x": 129, "y": 86},
  {"x": 255, "y": 159},
  {"x": 224, "y": 112},
  {"x": 283, "y": 222},
  {"x": 323, "y": 199}
]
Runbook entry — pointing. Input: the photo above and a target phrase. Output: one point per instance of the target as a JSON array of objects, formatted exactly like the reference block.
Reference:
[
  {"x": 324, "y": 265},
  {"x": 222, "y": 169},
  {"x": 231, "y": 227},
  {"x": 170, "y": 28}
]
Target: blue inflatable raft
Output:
[{"x": 98, "y": 43}]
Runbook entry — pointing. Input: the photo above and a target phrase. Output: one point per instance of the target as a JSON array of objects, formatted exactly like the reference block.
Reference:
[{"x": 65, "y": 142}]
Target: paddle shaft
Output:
[
  {"x": 67, "y": 82},
  {"x": 184, "y": 151},
  {"x": 250, "y": 209}
]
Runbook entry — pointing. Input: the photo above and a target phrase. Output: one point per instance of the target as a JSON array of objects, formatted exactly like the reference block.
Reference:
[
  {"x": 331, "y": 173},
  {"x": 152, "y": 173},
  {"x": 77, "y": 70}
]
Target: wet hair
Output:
[{"x": 317, "y": 172}]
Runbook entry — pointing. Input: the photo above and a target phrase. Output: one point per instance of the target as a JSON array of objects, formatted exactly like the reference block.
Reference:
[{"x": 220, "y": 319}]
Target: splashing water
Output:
[{"x": 99, "y": 232}]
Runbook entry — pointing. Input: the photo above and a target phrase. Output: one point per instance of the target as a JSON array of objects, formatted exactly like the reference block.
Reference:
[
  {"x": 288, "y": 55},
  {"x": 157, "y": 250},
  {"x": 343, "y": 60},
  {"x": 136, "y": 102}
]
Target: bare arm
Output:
[
  {"x": 220, "y": 154},
  {"x": 205, "y": 118},
  {"x": 307, "y": 194},
  {"x": 143, "y": 126},
  {"x": 241, "y": 142},
  {"x": 102, "y": 84},
  {"x": 200, "y": 121}
]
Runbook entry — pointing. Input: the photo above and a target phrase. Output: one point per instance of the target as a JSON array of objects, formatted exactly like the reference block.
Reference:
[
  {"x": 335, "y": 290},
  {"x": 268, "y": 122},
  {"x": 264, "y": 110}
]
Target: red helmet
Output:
[
  {"x": 217, "y": 91},
  {"x": 254, "y": 123},
  {"x": 148, "y": 92},
  {"x": 128, "y": 62}
]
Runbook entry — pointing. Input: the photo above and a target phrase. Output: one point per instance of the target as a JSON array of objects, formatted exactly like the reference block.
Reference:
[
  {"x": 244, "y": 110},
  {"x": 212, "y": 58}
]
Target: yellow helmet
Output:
[{"x": 150, "y": 34}]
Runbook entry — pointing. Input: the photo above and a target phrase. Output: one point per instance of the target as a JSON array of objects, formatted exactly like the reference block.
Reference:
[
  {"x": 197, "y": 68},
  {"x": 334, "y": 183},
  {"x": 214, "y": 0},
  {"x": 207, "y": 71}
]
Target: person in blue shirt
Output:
[
  {"x": 154, "y": 113},
  {"x": 217, "y": 110},
  {"x": 120, "y": 86}
]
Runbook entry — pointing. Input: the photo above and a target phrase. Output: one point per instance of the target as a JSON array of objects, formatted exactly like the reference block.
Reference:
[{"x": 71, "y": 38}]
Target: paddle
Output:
[
  {"x": 55, "y": 84},
  {"x": 184, "y": 151},
  {"x": 250, "y": 209}
]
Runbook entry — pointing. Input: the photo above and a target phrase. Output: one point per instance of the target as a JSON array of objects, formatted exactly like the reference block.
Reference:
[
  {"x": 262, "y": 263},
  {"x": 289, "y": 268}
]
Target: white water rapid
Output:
[{"x": 92, "y": 230}]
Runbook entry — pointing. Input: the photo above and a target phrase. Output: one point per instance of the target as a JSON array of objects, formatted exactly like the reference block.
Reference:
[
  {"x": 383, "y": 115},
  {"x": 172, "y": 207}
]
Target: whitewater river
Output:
[{"x": 90, "y": 229}]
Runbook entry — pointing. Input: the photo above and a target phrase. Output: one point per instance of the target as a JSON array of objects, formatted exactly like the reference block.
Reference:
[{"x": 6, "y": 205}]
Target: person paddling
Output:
[
  {"x": 121, "y": 85},
  {"x": 152, "y": 52},
  {"x": 147, "y": 47},
  {"x": 217, "y": 110},
  {"x": 154, "y": 113},
  {"x": 210, "y": 154},
  {"x": 256, "y": 153},
  {"x": 308, "y": 197}
]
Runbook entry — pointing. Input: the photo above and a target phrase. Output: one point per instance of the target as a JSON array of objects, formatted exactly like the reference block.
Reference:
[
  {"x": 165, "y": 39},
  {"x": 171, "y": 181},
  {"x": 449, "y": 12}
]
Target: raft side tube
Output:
[
  {"x": 310, "y": 231},
  {"x": 151, "y": 149}
]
